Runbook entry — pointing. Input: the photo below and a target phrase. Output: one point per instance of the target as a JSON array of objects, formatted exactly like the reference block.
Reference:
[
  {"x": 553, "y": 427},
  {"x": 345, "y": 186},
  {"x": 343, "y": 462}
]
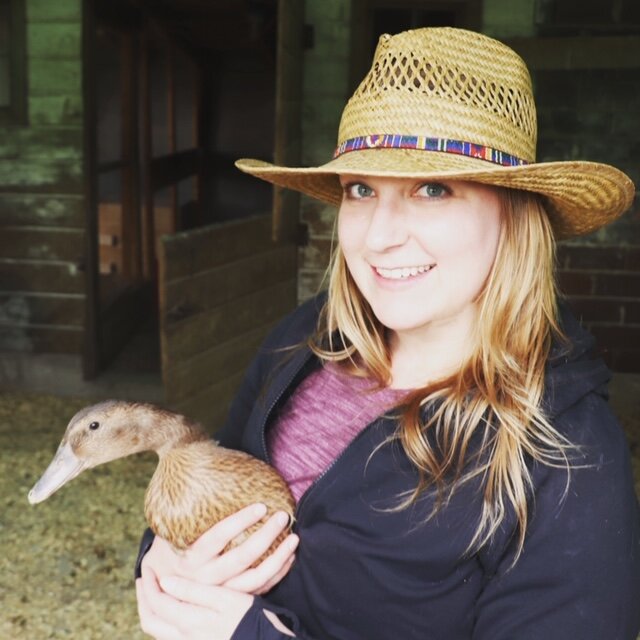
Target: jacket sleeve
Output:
[
  {"x": 256, "y": 626},
  {"x": 579, "y": 573}
]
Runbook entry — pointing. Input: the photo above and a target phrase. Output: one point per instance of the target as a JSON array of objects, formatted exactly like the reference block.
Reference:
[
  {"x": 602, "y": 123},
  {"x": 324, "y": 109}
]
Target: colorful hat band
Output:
[{"x": 422, "y": 143}]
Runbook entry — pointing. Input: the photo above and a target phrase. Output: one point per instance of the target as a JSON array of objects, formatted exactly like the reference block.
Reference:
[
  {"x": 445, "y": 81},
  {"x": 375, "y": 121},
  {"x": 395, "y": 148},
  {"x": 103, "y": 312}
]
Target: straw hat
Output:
[{"x": 444, "y": 103}]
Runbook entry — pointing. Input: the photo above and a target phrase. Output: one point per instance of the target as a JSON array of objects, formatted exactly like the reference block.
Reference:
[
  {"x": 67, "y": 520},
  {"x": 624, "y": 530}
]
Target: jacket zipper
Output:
[
  {"x": 263, "y": 426},
  {"x": 334, "y": 462}
]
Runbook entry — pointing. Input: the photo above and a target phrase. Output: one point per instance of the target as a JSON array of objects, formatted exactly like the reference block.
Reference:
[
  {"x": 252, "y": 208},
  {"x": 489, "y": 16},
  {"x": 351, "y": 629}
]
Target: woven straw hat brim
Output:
[{"x": 582, "y": 196}]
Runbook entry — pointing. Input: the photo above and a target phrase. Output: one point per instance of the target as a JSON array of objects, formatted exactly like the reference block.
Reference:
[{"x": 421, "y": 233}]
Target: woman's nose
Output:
[{"x": 387, "y": 226}]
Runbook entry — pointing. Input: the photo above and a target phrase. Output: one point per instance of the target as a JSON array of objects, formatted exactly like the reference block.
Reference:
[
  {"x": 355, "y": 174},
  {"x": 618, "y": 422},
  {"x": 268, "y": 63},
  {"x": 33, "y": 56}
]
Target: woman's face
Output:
[{"x": 420, "y": 252}]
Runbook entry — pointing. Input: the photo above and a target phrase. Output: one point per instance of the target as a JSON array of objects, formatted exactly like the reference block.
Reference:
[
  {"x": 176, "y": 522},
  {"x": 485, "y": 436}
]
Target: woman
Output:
[{"x": 437, "y": 414}]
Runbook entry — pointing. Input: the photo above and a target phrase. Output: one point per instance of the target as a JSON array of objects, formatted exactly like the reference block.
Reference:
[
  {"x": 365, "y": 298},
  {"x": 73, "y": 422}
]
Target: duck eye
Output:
[{"x": 94, "y": 425}]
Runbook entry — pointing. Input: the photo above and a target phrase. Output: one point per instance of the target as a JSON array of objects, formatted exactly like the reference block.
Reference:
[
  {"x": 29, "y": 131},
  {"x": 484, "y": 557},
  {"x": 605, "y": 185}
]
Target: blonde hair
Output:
[{"x": 496, "y": 393}]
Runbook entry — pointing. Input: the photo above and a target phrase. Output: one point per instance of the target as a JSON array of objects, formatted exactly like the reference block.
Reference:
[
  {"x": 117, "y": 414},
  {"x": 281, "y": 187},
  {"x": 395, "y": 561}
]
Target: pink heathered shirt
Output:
[{"x": 323, "y": 415}]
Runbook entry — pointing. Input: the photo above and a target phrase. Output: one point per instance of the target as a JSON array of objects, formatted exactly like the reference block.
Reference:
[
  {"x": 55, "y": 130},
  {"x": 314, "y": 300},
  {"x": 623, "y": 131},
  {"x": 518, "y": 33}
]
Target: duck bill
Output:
[{"x": 64, "y": 467}]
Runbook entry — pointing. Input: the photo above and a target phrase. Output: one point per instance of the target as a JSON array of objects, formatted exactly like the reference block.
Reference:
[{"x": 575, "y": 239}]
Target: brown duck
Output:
[{"x": 196, "y": 483}]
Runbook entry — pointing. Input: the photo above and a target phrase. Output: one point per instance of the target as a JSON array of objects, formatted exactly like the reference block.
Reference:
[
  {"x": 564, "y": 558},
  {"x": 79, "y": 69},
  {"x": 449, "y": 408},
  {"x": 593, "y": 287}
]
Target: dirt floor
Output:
[{"x": 67, "y": 564}]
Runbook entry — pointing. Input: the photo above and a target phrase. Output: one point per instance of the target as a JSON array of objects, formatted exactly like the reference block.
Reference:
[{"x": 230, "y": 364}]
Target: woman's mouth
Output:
[{"x": 403, "y": 273}]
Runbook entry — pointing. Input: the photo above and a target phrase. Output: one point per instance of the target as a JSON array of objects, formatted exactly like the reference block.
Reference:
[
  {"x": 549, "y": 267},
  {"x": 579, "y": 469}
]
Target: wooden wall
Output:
[
  {"x": 221, "y": 288},
  {"x": 41, "y": 191}
]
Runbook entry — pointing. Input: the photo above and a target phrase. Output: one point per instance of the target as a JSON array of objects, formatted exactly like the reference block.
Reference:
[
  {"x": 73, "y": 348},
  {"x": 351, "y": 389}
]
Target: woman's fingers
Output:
[
  {"x": 269, "y": 572},
  {"x": 187, "y": 591},
  {"x": 212, "y": 542},
  {"x": 150, "y": 623},
  {"x": 273, "y": 581},
  {"x": 240, "y": 558}
]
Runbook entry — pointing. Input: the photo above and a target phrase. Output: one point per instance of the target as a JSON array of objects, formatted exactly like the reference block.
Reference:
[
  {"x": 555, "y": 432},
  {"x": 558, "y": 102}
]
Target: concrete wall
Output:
[{"x": 41, "y": 191}]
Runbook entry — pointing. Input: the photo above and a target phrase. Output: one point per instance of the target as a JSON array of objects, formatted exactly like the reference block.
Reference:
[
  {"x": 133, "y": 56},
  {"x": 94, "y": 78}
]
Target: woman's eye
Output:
[
  {"x": 433, "y": 190},
  {"x": 357, "y": 190}
]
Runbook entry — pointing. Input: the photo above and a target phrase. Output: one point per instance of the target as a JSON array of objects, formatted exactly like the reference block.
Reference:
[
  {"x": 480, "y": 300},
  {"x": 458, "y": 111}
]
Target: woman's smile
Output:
[{"x": 402, "y": 273}]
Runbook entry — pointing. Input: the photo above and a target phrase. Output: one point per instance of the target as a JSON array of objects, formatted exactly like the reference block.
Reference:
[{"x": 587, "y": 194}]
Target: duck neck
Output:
[{"x": 162, "y": 431}]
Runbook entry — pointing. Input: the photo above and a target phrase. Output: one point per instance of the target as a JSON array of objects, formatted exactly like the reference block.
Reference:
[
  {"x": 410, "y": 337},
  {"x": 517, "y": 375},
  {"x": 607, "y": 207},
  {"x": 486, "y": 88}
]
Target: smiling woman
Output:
[{"x": 475, "y": 484}]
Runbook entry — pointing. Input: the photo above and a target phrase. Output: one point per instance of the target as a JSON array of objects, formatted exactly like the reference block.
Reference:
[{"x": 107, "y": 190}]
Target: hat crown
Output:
[{"x": 445, "y": 83}]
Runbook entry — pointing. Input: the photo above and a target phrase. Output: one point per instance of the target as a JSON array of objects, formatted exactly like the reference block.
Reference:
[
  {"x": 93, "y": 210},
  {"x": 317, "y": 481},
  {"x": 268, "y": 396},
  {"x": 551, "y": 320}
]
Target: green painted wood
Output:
[
  {"x": 58, "y": 11},
  {"x": 65, "y": 211},
  {"x": 42, "y": 243},
  {"x": 54, "y": 40},
  {"x": 35, "y": 142},
  {"x": 56, "y": 111},
  {"x": 54, "y": 77},
  {"x": 39, "y": 276},
  {"x": 42, "y": 309},
  {"x": 44, "y": 176},
  {"x": 41, "y": 339}
]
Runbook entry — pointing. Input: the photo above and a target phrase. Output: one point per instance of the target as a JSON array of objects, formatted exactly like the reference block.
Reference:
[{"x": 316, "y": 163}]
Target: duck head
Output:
[{"x": 95, "y": 435}]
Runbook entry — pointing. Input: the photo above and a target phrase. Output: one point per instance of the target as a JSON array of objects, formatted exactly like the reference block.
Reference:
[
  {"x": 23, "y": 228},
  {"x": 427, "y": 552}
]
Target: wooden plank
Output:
[
  {"x": 55, "y": 77},
  {"x": 212, "y": 365},
  {"x": 66, "y": 111},
  {"x": 58, "y": 11},
  {"x": 210, "y": 406},
  {"x": 42, "y": 243},
  {"x": 41, "y": 339},
  {"x": 42, "y": 176},
  {"x": 53, "y": 309},
  {"x": 220, "y": 290},
  {"x": 41, "y": 276},
  {"x": 46, "y": 210},
  {"x": 54, "y": 40},
  {"x": 34, "y": 142},
  {"x": 184, "y": 338},
  {"x": 210, "y": 288},
  {"x": 193, "y": 251}
]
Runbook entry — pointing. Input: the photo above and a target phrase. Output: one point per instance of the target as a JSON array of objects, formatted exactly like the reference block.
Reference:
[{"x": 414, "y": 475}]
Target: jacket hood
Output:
[{"x": 572, "y": 370}]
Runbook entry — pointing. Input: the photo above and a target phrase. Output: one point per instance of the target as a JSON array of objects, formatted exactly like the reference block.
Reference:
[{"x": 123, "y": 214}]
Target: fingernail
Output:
[
  {"x": 282, "y": 518},
  {"x": 260, "y": 510},
  {"x": 292, "y": 542}
]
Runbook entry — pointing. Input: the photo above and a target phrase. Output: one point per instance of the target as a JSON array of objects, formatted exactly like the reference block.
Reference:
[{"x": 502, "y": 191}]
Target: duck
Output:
[{"x": 196, "y": 483}]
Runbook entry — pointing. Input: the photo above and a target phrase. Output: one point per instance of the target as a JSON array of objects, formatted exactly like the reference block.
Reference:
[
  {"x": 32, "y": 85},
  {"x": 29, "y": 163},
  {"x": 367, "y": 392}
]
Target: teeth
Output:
[{"x": 404, "y": 272}]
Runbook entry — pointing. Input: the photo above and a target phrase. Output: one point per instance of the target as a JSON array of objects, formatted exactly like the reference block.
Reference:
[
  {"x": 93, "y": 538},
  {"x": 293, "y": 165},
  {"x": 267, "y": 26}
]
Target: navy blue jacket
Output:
[{"x": 363, "y": 572}]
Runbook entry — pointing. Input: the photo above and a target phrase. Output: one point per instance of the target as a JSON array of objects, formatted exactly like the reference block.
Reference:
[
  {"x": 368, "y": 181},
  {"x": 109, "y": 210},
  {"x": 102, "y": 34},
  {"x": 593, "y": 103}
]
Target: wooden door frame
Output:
[
  {"x": 91, "y": 352},
  {"x": 288, "y": 117}
]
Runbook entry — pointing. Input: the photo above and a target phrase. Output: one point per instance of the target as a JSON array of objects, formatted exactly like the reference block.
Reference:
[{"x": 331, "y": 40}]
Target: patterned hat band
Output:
[{"x": 422, "y": 143}]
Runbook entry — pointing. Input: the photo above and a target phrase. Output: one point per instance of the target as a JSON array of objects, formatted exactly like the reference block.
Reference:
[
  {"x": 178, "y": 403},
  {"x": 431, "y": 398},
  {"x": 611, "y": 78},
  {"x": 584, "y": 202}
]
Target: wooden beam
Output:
[
  {"x": 170, "y": 169},
  {"x": 146, "y": 155},
  {"x": 287, "y": 145},
  {"x": 171, "y": 127}
]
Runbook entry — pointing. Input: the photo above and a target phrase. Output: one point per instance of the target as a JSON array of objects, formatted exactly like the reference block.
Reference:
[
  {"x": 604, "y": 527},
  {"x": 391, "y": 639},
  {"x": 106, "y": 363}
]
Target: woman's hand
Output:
[
  {"x": 205, "y": 563},
  {"x": 198, "y": 612}
]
